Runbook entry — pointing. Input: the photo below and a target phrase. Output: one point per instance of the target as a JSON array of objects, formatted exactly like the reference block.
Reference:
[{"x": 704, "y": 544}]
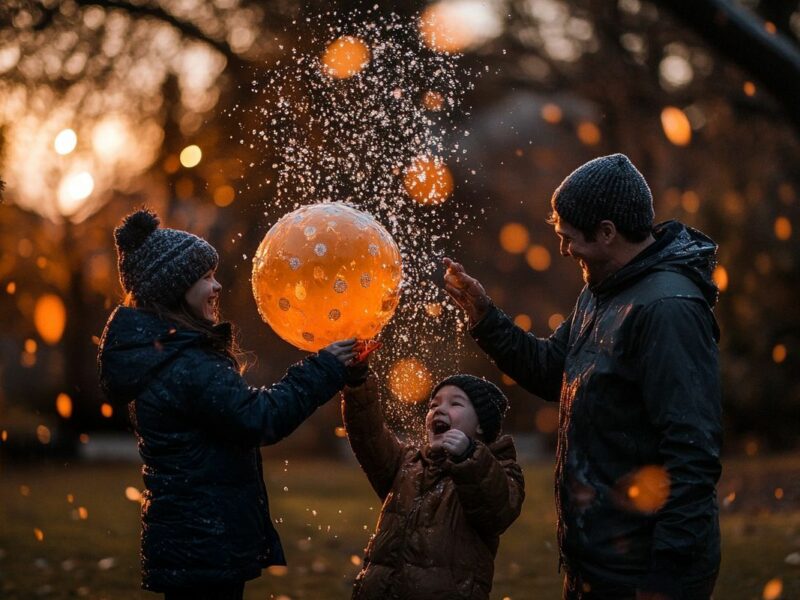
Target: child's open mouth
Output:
[{"x": 439, "y": 427}]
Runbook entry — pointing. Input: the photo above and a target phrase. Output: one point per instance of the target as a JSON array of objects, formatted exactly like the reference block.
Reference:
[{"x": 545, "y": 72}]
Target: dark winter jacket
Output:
[
  {"x": 440, "y": 524},
  {"x": 635, "y": 369},
  {"x": 205, "y": 517}
]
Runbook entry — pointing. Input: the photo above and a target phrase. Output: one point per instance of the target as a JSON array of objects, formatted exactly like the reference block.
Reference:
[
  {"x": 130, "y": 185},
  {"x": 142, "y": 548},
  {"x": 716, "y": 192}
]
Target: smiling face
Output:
[
  {"x": 203, "y": 297},
  {"x": 449, "y": 409},
  {"x": 591, "y": 255}
]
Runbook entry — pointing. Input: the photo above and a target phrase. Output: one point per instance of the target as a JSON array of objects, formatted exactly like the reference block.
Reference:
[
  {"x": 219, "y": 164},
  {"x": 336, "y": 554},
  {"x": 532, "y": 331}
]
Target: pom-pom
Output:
[{"x": 135, "y": 229}]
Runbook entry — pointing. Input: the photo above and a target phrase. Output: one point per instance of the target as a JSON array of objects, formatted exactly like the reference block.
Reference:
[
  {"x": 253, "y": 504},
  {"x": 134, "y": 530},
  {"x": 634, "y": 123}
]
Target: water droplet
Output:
[
  {"x": 294, "y": 263},
  {"x": 320, "y": 249},
  {"x": 373, "y": 250}
]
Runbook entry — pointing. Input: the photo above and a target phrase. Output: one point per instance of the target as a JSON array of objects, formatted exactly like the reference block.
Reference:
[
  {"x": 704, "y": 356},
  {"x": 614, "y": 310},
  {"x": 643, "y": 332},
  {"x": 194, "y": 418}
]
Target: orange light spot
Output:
[
  {"x": 523, "y": 321},
  {"x": 676, "y": 126},
  {"x": 43, "y": 434},
  {"x": 783, "y": 228},
  {"x": 552, "y": 113},
  {"x": 24, "y": 491},
  {"x": 588, "y": 133},
  {"x": 50, "y": 318},
  {"x": 770, "y": 27},
  {"x": 648, "y": 488},
  {"x": 64, "y": 405},
  {"x": 555, "y": 320},
  {"x": 690, "y": 201},
  {"x": 720, "y": 277},
  {"x": 428, "y": 180},
  {"x": 30, "y": 346},
  {"x": 779, "y": 493},
  {"x": 83, "y": 514},
  {"x": 749, "y": 88},
  {"x": 11, "y": 288},
  {"x": 278, "y": 570},
  {"x": 4, "y": 435},
  {"x": 224, "y": 195},
  {"x": 84, "y": 438},
  {"x": 355, "y": 560},
  {"x": 507, "y": 380},
  {"x": 171, "y": 164},
  {"x": 514, "y": 238},
  {"x": 751, "y": 447},
  {"x": 38, "y": 534},
  {"x": 340, "y": 432},
  {"x": 538, "y": 258},
  {"x": 434, "y": 309},
  {"x": 41, "y": 262},
  {"x": 106, "y": 410},
  {"x": 410, "y": 381},
  {"x": 133, "y": 494},
  {"x": 433, "y": 101},
  {"x": 773, "y": 589},
  {"x": 547, "y": 419},
  {"x": 443, "y": 30},
  {"x": 779, "y": 353},
  {"x": 634, "y": 491},
  {"x": 345, "y": 57},
  {"x": 70, "y": 498}
]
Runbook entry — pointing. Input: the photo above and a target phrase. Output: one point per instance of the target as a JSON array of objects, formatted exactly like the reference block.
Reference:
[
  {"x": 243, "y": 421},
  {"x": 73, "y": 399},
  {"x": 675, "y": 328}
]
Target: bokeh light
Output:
[
  {"x": 547, "y": 419},
  {"x": 345, "y": 57},
  {"x": 64, "y": 405},
  {"x": 514, "y": 238},
  {"x": 72, "y": 192},
  {"x": 588, "y": 133},
  {"x": 191, "y": 156},
  {"x": 538, "y": 258},
  {"x": 65, "y": 141},
  {"x": 50, "y": 318},
  {"x": 779, "y": 353},
  {"x": 523, "y": 321},
  {"x": 410, "y": 380},
  {"x": 224, "y": 195},
  {"x": 773, "y": 589},
  {"x": 783, "y": 228},
  {"x": 428, "y": 180},
  {"x": 433, "y": 101},
  {"x": 720, "y": 277},
  {"x": 324, "y": 273},
  {"x": 555, "y": 320},
  {"x": 647, "y": 489},
  {"x": 453, "y": 26},
  {"x": 552, "y": 113},
  {"x": 106, "y": 410},
  {"x": 43, "y": 434},
  {"x": 676, "y": 126}
]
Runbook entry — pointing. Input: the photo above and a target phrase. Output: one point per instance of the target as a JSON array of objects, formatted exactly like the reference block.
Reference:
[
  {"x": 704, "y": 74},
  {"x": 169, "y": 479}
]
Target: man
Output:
[{"x": 635, "y": 370}]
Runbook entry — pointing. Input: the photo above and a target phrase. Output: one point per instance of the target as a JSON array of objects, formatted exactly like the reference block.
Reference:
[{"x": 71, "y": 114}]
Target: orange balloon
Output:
[{"x": 324, "y": 273}]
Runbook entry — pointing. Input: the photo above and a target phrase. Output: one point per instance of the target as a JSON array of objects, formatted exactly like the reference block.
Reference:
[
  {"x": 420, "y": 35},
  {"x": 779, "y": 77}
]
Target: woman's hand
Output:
[{"x": 344, "y": 350}]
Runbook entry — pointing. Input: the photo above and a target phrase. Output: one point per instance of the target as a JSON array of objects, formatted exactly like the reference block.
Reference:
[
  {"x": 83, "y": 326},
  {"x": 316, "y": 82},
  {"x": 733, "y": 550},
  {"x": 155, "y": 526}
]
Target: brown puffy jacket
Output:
[{"x": 440, "y": 524}]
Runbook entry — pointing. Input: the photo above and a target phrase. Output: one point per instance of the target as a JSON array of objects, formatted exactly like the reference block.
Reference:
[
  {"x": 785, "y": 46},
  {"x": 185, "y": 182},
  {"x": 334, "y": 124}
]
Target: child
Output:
[
  {"x": 444, "y": 505},
  {"x": 206, "y": 527}
]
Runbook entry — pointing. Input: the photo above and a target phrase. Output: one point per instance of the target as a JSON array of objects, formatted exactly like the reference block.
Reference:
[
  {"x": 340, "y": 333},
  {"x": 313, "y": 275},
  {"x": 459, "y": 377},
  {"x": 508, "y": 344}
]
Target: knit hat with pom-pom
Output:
[{"x": 158, "y": 265}]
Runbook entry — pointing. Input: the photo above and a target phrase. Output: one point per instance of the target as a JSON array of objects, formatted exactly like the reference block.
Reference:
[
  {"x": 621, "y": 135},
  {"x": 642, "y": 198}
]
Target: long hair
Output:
[{"x": 184, "y": 318}]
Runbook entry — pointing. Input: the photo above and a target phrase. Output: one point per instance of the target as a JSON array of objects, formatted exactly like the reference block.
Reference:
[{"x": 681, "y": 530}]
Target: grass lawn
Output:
[{"x": 68, "y": 531}]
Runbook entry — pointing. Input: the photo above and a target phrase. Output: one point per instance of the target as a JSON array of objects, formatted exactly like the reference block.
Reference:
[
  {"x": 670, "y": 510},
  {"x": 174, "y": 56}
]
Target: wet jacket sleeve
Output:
[
  {"x": 537, "y": 364},
  {"x": 261, "y": 415},
  {"x": 377, "y": 449},
  {"x": 491, "y": 491},
  {"x": 679, "y": 368}
]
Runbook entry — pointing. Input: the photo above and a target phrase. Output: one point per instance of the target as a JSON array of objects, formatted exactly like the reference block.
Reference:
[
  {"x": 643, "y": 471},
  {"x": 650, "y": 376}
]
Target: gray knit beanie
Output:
[
  {"x": 606, "y": 188},
  {"x": 489, "y": 402},
  {"x": 159, "y": 265}
]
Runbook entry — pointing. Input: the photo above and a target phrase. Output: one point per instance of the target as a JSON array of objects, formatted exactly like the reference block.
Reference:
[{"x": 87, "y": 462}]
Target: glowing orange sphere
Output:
[
  {"x": 345, "y": 57},
  {"x": 324, "y": 273},
  {"x": 428, "y": 180}
]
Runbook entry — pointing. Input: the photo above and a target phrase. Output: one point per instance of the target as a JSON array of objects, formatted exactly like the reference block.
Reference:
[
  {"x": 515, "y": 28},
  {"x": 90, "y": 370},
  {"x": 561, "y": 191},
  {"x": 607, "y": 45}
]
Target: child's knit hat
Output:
[
  {"x": 159, "y": 265},
  {"x": 489, "y": 402},
  {"x": 608, "y": 187}
]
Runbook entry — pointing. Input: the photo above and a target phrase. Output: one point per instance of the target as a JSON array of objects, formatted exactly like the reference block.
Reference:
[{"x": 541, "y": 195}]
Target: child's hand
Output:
[
  {"x": 454, "y": 441},
  {"x": 344, "y": 350}
]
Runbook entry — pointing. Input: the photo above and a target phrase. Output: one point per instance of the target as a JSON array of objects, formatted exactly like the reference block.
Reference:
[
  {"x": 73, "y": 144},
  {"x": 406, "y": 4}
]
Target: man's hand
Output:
[
  {"x": 453, "y": 441},
  {"x": 466, "y": 291},
  {"x": 344, "y": 350}
]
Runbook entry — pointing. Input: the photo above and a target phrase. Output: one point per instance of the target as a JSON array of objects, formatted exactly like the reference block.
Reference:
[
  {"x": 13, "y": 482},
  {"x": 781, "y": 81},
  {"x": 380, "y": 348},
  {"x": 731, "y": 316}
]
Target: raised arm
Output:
[{"x": 377, "y": 449}]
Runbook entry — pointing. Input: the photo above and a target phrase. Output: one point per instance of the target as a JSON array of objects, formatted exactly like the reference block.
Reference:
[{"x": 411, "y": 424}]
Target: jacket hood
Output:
[
  {"x": 134, "y": 346},
  {"x": 678, "y": 248}
]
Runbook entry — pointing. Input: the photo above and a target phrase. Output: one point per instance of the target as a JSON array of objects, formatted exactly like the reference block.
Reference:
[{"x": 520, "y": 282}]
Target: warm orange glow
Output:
[
  {"x": 749, "y": 88},
  {"x": 676, "y": 126},
  {"x": 11, "y": 288},
  {"x": 84, "y": 438},
  {"x": 70, "y": 498},
  {"x": 773, "y": 590},
  {"x": 83, "y": 514},
  {"x": 647, "y": 489},
  {"x": 106, "y": 410},
  {"x": 355, "y": 560},
  {"x": 507, "y": 380},
  {"x": 224, "y": 195},
  {"x": 588, "y": 133},
  {"x": 64, "y": 405},
  {"x": 50, "y": 318},
  {"x": 552, "y": 113},
  {"x": 720, "y": 277},
  {"x": 340, "y": 432},
  {"x": 191, "y": 156},
  {"x": 751, "y": 447},
  {"x": 30, "y": 346},
  {"x": 783, "y": 228},
  {"x": 38, "y": 534},
  {"x": 555, "y": 320},
  {"x": 65, "y": 141},
  {"x": 4, "y": 435},
  {"x": 133, "y": 494},
  {"x": 514, "y": 238},
  {"x": 324, "y": 273},
  {"x": 410, "y": 381},
  {"x": 547, "y": 419},
  {"x": 778, "y": 493},
  {"x": 278, "y": 570},
  {"x": 433, "y": 101},
  {"x": 538, "y": 258},
  {"x": 434, "y": 309},
  {"x": 690, "y": 201},
  {"x": 43, "y": 434},
  {"x": 779, "y": 353},
  {"x": 171, "y": 164},
  {"x": 442, "y": 31},
  {"x": 345, "y": 57},
  {"x": 770, "y": 27},
  {"x": 428, "y": 180},
  {"x": 523, "y": 321}
]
